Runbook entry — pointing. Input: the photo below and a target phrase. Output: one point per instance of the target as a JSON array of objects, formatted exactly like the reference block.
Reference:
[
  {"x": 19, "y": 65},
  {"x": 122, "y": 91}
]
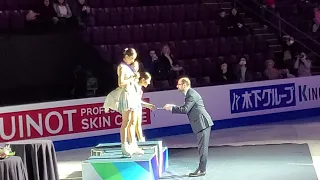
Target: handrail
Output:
[
  {"x": 285, "y": 21},
  {"x": 279, "y": 25},
  {"x": 279, "y": 28}
]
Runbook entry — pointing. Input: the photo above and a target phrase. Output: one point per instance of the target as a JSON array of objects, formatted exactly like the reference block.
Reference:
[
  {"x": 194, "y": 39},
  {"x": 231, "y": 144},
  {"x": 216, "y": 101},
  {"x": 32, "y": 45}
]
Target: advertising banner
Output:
[
  {"x": 56, "y": 121},
  {"x": 73, "y": 119}
]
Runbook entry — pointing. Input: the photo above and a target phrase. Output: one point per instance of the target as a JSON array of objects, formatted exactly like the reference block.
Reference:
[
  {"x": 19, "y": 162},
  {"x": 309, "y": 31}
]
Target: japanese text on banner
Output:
[{"x": 263, "y": 97}]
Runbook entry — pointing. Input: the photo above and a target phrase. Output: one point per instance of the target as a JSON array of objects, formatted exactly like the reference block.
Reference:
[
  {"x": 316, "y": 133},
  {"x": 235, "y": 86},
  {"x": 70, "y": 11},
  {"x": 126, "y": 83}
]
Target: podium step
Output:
[
  {"x": 113, "y": 166},
  {"x": 107, "y": 162}
]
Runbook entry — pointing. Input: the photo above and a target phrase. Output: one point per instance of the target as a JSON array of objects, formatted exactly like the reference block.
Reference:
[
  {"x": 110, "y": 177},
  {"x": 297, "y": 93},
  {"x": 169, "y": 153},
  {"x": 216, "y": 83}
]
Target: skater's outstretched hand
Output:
[{"x": 152, "y": 107}]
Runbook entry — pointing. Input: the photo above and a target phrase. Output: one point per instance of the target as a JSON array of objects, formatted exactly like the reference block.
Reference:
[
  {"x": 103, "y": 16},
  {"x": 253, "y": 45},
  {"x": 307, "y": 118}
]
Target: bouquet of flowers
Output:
[{"x": 6, "y": 152}]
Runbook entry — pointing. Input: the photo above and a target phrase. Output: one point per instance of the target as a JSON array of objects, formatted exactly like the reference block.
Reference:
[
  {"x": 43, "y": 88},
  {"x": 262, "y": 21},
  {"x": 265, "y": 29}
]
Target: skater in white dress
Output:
[{"x": 128, "y": 100}]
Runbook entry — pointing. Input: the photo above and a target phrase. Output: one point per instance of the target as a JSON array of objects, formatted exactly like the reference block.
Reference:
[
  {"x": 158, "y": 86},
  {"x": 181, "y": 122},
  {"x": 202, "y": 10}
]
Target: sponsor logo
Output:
[
  {"x": 263, "y": 97},
  {"x": 60, "y": 121}
]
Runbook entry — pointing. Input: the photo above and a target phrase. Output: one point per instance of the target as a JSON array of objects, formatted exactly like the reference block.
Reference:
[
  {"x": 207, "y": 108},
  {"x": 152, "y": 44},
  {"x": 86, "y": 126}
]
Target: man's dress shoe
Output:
[{"x": 197, "y": 173}]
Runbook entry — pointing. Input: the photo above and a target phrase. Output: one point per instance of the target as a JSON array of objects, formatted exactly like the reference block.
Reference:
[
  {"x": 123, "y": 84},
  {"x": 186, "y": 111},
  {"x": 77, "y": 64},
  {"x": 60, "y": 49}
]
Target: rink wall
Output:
[{"x": 83, "y": 123}]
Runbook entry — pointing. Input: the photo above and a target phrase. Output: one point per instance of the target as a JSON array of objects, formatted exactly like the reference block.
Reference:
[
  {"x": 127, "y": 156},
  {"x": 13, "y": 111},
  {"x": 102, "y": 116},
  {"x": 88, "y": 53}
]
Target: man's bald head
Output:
[
  {"x": 183, "y": 84},
  {"x": 185, "y": 81}
]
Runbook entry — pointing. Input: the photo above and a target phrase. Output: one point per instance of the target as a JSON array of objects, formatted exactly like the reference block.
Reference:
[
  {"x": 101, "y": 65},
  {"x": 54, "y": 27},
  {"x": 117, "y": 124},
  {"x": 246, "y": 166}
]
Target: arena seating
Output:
[
  {"x": 188, "y": 26},
  {"x": 190, "y": 30}
]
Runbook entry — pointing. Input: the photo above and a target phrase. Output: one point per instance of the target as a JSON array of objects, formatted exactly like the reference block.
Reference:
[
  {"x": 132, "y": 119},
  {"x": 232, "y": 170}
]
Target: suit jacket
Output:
[{"x": 194, "y": 108}]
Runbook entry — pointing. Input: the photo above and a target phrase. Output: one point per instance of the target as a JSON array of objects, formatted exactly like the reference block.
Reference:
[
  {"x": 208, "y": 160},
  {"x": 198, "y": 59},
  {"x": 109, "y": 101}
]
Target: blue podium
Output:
[{"x": 107, "y": 163}]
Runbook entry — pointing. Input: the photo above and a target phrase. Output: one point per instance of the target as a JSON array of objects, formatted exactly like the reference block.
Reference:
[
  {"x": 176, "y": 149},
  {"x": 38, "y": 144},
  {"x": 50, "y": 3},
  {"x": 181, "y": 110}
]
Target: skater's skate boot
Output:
[{"x": 126, "y": 150}]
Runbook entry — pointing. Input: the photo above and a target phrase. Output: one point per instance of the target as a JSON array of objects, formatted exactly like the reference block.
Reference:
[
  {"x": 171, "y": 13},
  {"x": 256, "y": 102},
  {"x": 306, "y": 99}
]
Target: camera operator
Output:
[
  {"x": 303, "y": 65},
  {"x": 289, "y": 51}
]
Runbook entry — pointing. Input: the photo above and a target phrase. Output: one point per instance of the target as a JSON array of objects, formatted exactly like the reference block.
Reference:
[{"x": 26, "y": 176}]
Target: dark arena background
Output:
[
  {"x": 37, "y": 68},
  {"x": 255, "y": 64}
]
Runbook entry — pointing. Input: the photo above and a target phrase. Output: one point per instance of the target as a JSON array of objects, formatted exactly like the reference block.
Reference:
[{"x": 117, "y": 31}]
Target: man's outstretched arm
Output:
[{"x": 184, "y": 109}]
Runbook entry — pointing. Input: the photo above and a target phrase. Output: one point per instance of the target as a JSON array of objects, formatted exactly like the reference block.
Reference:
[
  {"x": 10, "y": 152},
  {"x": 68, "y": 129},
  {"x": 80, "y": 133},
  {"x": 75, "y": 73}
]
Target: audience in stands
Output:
[
  {"x": 236, "y": 24},
  {"x": 85, "y": 83},
  {"x": 271, "y": 72},
  {"x": 47, "y": 15},
  {"x": 303, "y": 14},
  {"x": 316, "y": 24},
  {"x": 224, "y": 76},
  {"x": 151, "y": 63},
  {"x": 242, "y": 73},
  {"x": 63, "y": 12},
  {"x": 286, "y": 74},
  {"x": 222, "y": 21},
  {"x": 42, "y": 18},
  {"x": 290, "y": 50},
  {"x": 81, "y": 11},
  {"x": 32, "y": 19},
  {"x": 303, "y": 65},
  {"x": 91, "y": 84},
  {"x": 168, "y": 64}
]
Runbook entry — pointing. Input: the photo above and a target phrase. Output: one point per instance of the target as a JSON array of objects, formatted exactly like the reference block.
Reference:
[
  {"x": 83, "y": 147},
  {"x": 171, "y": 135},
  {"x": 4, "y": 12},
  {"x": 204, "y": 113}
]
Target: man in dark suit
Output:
[{"x": 199, "y": 118}]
